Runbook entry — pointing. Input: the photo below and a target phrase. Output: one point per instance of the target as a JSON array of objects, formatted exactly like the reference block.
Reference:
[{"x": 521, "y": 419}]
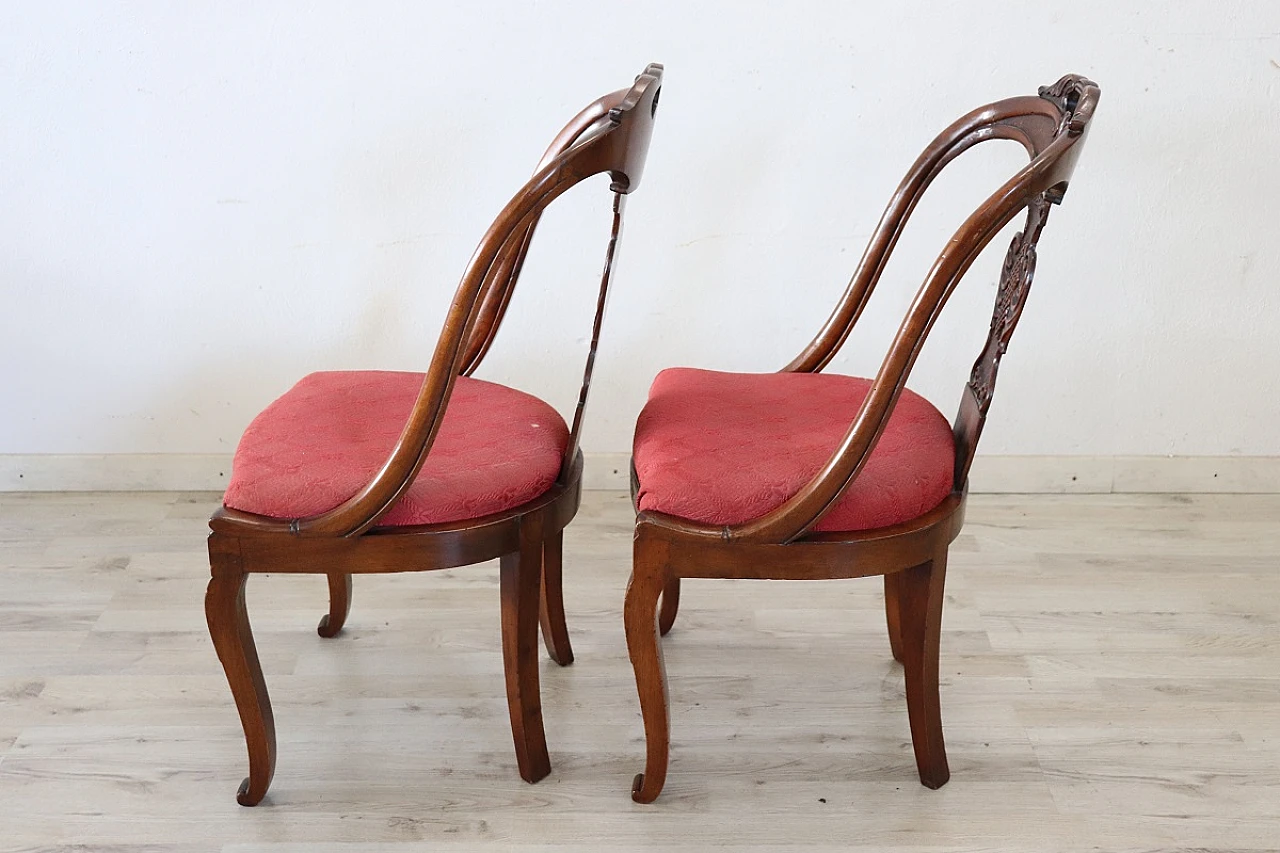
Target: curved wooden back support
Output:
[
  {"x": 611, "y": 135},
  {"x": 501, "y": 281},
  {"x": 1051, "y": 126}
]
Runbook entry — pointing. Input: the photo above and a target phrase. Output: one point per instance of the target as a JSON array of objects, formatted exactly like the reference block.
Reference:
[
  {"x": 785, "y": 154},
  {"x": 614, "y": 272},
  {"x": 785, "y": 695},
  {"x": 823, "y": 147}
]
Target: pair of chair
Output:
[{"x": 793, "y": 475}]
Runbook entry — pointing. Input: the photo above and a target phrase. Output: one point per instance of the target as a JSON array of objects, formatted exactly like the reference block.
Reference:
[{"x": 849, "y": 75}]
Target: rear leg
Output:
[
  {"x": 892, "y": 613},
  {"x": 339, "y": 605},
  {"x": 670, "y": 604},
  {"x": 555, "y": 632}
]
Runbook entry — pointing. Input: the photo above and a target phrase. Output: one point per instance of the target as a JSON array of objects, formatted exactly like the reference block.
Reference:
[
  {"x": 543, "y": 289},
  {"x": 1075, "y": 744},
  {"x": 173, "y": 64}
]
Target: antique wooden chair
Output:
[
  {"x": 363, "y": 471},
  {"x": 804, "y": 475}
]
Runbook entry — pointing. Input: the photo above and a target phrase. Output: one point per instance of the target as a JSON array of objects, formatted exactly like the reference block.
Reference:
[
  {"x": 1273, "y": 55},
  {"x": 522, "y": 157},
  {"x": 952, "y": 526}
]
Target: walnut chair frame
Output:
[
  {"x": 610, "y": 136},
  {"x": 911, "y": 556}
]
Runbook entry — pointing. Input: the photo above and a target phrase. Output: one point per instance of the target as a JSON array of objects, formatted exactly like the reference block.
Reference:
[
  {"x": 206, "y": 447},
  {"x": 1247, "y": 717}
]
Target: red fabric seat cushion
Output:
[
  {"x": 323, "y": 441},
  {"x": 724, "y": 448}
]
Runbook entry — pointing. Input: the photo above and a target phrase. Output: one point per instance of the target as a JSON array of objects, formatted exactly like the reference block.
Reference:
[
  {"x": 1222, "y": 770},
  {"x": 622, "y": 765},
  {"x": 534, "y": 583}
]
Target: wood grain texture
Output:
[
  {"x": 919, "y": 626},
  {"x": 1052, "y": 127},
  {"x": 670, "y": 606},
  {"x": 233, "y": 639},
  {"x": 520, "y": 581},
  {"x": 1108, "y": 666},
  {"x": 641, "y": 620},
  {"x": 339, "y": 606},
  {"x": 555, "y": 629},
  {"x": 780, "y": 543},
  {"x": 611, "y": 135}
]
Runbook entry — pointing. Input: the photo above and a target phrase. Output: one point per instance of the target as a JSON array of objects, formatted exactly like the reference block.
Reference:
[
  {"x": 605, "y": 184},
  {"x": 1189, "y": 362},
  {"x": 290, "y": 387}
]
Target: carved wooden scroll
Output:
[
  {"x": 1020, "y": 262},
  {"x": 1015, "y": 282},
  {"x": 1068, "y": 95}
]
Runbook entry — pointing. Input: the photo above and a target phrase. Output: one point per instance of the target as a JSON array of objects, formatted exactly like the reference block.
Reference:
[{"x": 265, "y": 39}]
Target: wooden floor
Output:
[{"x": 1111, "y": 681}]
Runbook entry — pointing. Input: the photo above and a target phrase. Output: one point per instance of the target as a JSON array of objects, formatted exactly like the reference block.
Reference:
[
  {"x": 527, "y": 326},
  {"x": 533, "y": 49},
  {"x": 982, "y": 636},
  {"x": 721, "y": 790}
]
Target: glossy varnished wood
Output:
[
  {"x": 232, "y": 635},
  {"x": 339, "y": 605},
  {"x": 555, "y": 633},
  {"x": 919, "y": 624},
  {"x": 780, "y": 544},
  {"x": 521, "y": 580},
  {"x": 610, "y": 136},
  {"x": 1108, "y": 671}
]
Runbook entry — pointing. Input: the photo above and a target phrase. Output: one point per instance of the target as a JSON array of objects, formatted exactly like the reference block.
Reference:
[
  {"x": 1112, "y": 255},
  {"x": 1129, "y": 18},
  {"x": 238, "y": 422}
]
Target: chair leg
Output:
[
  {"x": 520, "y": 582},
  {"x": 339, "y": 605},
  {"x": 555, "y": 633},
  {"x": 892, "y": 613},
  {"x": 232, "y": 635},
  {"x": 670, "y": 605},
  {"x": 920, "y": 596},
  {"x": 640, "y": 614}
]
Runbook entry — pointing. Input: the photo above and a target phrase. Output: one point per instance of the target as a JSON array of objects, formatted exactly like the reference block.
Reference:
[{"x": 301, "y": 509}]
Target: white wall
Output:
[{"x": 199, "y": 203}]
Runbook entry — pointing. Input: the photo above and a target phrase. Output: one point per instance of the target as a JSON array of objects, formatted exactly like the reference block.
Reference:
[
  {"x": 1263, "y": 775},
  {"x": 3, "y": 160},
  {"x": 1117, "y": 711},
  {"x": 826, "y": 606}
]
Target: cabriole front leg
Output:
[
  {"x": 224, "y": 606},
  {"x": 640, "y": 617}
]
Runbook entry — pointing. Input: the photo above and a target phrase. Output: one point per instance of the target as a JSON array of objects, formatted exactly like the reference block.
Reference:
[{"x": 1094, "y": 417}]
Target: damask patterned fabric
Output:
[
  {"x": 724, "y": 448},
  {"x": 326, "y": 437}
]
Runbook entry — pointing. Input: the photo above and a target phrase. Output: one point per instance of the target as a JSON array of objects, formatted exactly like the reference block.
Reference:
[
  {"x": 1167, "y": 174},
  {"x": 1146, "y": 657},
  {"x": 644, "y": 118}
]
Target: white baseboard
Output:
[
  {"x": 115, "y": 472},
  {"x": 991, "y": 474},
  {"x": 1124, "y": 474},
  {"x": 1061, "y": 474}
]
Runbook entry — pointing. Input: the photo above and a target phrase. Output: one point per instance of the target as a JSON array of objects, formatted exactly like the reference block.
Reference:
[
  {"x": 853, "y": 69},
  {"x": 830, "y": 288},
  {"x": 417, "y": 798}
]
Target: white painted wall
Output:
[{"x": 199, "y": 203}]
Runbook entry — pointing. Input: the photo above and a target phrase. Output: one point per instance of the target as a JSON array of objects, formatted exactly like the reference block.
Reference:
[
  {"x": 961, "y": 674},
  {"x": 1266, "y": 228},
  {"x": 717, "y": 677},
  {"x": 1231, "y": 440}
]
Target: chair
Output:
[
  {"x": 804, "y": 475},
  {"x": 368, "y": 471}
]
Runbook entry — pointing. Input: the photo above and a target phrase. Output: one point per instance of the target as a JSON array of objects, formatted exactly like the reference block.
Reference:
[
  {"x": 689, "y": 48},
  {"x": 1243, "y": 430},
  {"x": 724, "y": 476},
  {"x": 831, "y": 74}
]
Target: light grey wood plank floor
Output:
[{"x": 1111, "y": 681}]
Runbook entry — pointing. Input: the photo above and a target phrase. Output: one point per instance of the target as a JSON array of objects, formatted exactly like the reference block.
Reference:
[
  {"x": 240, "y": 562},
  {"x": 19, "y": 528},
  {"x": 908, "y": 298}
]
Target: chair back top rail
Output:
[
  {"x": 498, "y": 287},
  {"x": 613, "y": 140},
  {"x": 1052, "y": 127}
]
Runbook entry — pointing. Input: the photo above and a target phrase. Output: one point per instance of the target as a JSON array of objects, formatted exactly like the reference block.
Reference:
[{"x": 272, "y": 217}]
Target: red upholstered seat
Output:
[
  {"x": 724, "y": 448},
  {"x": 327, "y": 436}
]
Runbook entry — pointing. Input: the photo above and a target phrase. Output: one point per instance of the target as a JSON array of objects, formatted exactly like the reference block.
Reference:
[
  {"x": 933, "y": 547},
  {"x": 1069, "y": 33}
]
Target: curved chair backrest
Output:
[
  {"x": 504, "y": 273},
  {"x": 1052, "y": 127},
  {"x": 609, "y": 136}
]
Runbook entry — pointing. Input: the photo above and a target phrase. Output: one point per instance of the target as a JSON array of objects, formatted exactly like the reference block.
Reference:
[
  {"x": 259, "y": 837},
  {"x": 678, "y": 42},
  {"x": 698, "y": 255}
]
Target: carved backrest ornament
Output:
[
  {"x": 1068, "y": 95},
  {"x": 1015, "y": 283}
]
